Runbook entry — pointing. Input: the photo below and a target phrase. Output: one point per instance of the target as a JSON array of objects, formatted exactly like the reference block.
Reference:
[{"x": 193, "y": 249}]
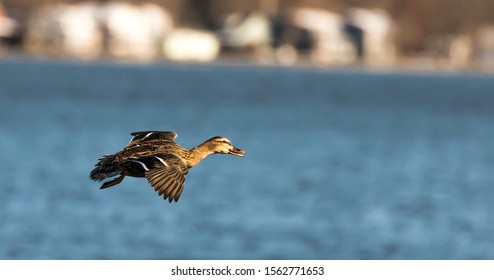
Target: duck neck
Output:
[{"x": 197, "y": 154}]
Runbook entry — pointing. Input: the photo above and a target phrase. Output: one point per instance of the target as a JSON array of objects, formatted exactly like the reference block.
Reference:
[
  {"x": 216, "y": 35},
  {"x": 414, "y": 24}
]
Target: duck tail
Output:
[{"x": 105, "y": 168}]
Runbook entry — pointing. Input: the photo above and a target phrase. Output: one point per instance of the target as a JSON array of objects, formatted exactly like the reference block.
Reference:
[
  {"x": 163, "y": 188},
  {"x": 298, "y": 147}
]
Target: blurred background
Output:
[
  {"x": 455, "y": 33},
  {"x": 367, "y": 126}
]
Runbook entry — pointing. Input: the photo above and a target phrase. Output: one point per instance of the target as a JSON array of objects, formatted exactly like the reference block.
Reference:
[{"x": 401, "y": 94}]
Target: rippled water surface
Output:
[{"x": 340, "y": 165}]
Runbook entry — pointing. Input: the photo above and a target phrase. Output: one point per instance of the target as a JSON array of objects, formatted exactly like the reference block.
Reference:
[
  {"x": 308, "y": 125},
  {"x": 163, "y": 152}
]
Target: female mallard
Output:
[{"x": 155, "y": 156}]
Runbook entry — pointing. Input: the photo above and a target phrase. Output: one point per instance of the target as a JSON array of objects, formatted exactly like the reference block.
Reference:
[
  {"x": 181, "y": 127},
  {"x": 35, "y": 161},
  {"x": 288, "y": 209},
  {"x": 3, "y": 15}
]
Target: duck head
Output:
[{"x": 221, "y": 145}]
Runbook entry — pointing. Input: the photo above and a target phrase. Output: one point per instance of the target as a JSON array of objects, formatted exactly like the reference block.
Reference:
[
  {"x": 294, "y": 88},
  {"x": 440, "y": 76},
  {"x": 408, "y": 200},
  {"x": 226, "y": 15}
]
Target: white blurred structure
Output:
[
  {"x": 85, "y": 30},
  {"x": 185, "y": 44},
  {"x": 332, "y": 46},
  {"x": 8, "y": 26},
  {"x": 80, "y": 32},
  {"x": 65, "y": 28},
  {"x": 378, "y": 29},
  {"x": 244, "y": 31},
  {"x": 360, "y": 34},
  {"x": 136, "y": 31},
  {"x": 146, "y": 31}
]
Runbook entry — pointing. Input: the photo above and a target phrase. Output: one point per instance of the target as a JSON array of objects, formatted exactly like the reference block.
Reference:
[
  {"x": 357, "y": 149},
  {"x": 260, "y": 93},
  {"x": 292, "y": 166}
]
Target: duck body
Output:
[{"x": 154, "y": 155}]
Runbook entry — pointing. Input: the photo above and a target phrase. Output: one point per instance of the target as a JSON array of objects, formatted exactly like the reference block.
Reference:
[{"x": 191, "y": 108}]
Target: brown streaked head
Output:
[{"x": 221, "y": 145}]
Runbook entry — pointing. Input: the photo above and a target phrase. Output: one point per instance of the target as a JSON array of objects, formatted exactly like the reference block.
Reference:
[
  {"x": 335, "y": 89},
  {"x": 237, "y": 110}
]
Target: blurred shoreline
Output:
[
  {"x": 412, "y": 65},
  {"x": 267, "y": 33}
]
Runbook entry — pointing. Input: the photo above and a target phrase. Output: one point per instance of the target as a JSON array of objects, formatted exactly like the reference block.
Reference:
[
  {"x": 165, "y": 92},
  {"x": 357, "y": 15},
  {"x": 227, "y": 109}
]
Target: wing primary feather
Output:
[
  {"x": 167, "y": 176},
  {"x": 176, "y": 191}
]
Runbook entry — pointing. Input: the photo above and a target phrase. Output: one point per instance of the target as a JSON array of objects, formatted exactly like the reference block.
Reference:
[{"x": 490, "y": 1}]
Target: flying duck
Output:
[{"x": 154, "y": 155}]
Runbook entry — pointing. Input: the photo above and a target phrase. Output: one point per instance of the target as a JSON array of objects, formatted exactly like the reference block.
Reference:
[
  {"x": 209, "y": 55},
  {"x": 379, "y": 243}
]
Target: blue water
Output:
[{"x": 341, "y": 164}]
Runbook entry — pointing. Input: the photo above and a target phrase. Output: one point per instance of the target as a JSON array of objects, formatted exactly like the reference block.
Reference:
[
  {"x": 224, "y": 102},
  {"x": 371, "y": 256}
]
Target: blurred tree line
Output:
[{"x": 418, "y": 21}]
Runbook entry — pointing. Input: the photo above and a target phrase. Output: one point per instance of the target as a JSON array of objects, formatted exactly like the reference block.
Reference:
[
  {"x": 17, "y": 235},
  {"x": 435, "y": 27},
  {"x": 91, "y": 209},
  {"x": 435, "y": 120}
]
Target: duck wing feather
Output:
[
  {"x": 167, "y": 175},
  {"x": 141, "y": 136}
]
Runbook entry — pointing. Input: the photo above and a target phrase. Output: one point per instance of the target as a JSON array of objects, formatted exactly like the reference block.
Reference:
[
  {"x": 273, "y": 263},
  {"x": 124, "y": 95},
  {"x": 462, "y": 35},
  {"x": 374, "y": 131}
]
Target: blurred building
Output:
[
  {"x": 141, "y": 31},
  {"x": 332, "y": 45},
  {"x": 88, "y": 30},
  {"x": 65, "y": 29},
  {"x": 360, "y": 35},
  {"x": 9, "y": 28},
  {"x": 146, "y": 31},
  {"x": 247, "y": 33},
  {"x": 186, "y": 44},
  {"x": 378, "y": 31},
  {"x": 322, "y": 36},
  {"x": 484, "y": 46},
  {"x": 135, "y": 31}
]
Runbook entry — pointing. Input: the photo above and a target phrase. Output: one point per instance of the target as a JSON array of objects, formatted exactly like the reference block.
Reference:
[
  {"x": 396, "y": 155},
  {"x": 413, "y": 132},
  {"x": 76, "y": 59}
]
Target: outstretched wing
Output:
[
  {"x": 166, "y": 175},
  {"x": 151, "y": 135}
]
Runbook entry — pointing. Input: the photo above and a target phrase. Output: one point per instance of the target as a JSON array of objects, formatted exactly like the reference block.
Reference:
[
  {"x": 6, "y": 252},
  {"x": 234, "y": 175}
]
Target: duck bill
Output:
[{"x": 237, "y": 152}]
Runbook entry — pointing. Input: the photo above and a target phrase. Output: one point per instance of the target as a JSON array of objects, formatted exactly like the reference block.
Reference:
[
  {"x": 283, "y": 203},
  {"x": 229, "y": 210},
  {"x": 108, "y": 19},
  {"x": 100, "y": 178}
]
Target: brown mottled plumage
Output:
[{"x": 155, "y": 156}]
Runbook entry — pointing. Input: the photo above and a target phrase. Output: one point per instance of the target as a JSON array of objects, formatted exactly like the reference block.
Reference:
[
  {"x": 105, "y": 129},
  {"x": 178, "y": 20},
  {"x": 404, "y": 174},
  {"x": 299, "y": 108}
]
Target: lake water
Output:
[{"x": 341, "y": 164}]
